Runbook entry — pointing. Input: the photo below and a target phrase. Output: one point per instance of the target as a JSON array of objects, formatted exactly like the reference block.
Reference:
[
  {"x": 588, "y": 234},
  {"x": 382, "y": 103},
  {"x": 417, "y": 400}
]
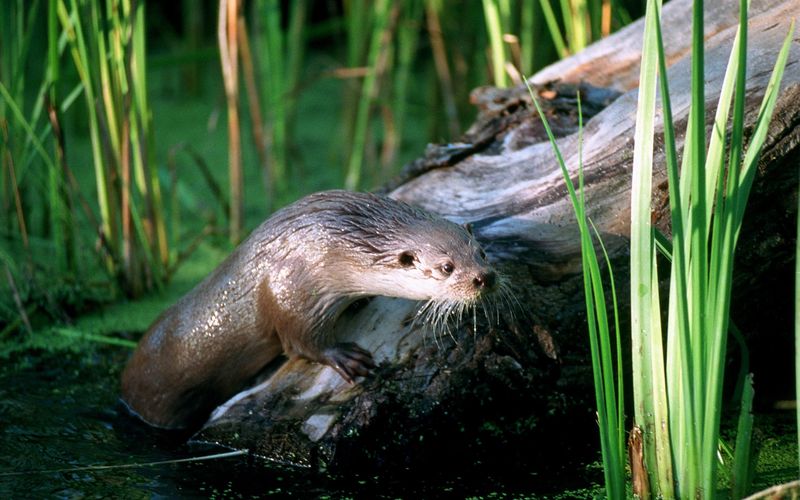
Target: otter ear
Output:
[
  {"x": 407, "y": 258},
  {"x": 468, "y": 227}
]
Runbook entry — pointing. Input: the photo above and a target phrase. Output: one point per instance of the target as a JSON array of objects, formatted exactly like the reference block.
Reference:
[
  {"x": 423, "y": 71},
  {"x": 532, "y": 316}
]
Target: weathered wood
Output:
[
  {"x": 432, "y": 396},
  {"x": 614, "y": 61}
]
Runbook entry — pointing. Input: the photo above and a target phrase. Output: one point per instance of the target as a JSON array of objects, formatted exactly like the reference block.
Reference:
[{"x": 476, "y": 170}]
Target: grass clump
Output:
[{"x": 678, "y": 367}]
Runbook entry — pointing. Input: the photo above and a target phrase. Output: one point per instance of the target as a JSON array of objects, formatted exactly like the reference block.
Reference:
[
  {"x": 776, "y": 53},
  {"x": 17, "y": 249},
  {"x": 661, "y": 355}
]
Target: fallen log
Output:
[{"x": 498, "y": 388}]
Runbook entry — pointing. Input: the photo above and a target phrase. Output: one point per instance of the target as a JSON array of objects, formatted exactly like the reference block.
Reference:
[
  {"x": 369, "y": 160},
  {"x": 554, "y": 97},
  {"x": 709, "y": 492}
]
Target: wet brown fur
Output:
[{"x": 282, "y": 290}]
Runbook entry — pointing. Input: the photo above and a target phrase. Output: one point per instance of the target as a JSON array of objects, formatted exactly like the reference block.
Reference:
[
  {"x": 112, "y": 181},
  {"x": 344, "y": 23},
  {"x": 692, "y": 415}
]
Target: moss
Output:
[{"x": 777, "y": 459}]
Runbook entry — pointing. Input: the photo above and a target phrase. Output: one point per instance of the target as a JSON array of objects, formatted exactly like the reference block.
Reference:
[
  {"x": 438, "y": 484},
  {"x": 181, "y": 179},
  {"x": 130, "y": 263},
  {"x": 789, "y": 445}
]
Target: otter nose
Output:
[{"x": 485, "y": 280}]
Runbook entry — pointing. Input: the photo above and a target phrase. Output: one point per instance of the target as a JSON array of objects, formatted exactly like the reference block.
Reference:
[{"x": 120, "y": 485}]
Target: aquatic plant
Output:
[
  {"x": 605, "y": 349},
  {"x": 86, "y": 67},
  {"x": 680, "y": 422},
  {"x": 677, "y": 385},
  {"x": 108, "y": 51},
  {"x": 106, "y": 43}
]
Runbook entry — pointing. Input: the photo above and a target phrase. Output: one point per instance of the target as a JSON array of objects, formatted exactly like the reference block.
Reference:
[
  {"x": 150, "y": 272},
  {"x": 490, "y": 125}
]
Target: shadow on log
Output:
[{"x": 498, "y": 390}]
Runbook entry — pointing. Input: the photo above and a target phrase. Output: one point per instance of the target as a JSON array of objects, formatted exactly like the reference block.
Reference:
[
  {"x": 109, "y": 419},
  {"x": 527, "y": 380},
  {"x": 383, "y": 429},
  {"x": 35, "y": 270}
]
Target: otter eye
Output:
[
  {"x": 406, "y": 259},
  {"x": 447, "y": 268}
]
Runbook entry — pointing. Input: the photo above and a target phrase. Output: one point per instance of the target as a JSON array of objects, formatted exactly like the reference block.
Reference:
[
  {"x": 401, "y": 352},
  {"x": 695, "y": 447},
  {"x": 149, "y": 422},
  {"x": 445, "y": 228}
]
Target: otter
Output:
[{"x": 282, "y": 290}]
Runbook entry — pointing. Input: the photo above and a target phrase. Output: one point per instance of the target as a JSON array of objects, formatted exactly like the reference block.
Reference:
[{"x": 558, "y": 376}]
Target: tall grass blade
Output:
[
  {"x": 526, "y": 38},
  {"x": 229, "y": 59},
  {"x": 442, "y": 68},
  {"x": 679, "y": 371},
  {"x": 107, "y": 43},
  {"x": 69, "y": 18},
  {"x": 143, "y": 151},
  {"x": 751, "y": 157},
  {"x": 649, "y": 386},
  {"x": 716, "y": 305},
  {"x": 620, "y": 385},
  {"x": 407, "y": 40},
  {"x": 59, "y": 205},
  {"x": 578, "y": 17},
  {"x": 16, "y": 151},
  {"x": 491, "y": 13},
  {"x": 369, "y": 90},
  {"x": 738, "y": 188},
  {"x": 742, "y": 472},
  {"x": 696, "y": 232},
  {"x": 608, "y": 395},
  {"x": 26, "y": 126},
  {"x": 702, "y": 256},
  {"x": 269, "y": 45},
  {"x": 281, "y": 54},
  {"x": 552, "y": 27},
  {"x": 254, "y": 106},
  {"x": 295, "y": 47}
]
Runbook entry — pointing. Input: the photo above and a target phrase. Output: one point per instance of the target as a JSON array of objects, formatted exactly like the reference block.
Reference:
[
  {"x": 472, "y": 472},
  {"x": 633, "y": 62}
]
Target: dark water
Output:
[{"x": 59, "y": 416}]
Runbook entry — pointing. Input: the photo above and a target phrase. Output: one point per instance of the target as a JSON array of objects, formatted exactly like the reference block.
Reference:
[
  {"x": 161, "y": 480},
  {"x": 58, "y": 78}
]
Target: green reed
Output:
[
  {"x": 378, "y": 43},
  {"x": 606, "y": 351},
  {"x": 408, "y": 26},
  {"x": 396, "y": 57},
  {"x": 677, "y": 387},
  {"x": 581, "y": 22},
  {"x": 34, "y": 178},
  {"x": 522, "y": 34},
  {"x": 648, "y": 367},
  {"x": 228, "y": 38},
  {"x": 445, "y": 80},
  {"x": 496, "y": 13},
  {"x": 380, "y": 51},
  {"x": 281, "y": 55},
  {"x": 60, "y": 201},
  {"x": 19, "y": 134},
  {"x": 513, "y": 44},
  {"x": 678, "y": 403},
  {"x": 106, "y": 41}
]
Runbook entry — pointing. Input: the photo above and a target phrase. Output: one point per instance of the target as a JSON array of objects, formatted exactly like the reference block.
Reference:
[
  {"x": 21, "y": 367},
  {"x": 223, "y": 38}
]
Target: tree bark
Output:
[{"x": 500, "y": 390}]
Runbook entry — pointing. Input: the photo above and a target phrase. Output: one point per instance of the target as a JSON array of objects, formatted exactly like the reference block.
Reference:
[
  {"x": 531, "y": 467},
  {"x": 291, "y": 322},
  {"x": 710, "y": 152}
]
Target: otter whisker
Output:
[
  {"x": 441, "y": 315},
  {"x": 506, "y": 293},
  {"x": 474, "y": 322},
  {"x": 431, "y": 315},
  {"x": 425, "y": 311},
  {"x": 435, "y": 319},
  {"x": 430, "y": 320},
  {"x": 444, "y": 319}
]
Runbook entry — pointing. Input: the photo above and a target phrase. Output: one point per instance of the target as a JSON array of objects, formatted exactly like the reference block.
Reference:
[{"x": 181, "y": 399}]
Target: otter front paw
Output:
[{"x": 349, "y": 360}]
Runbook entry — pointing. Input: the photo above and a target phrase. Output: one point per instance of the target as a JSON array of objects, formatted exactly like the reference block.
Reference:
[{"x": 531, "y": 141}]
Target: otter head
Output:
[
  {"x": 441, "y": 261},
  {"x": 404, "y": 251}
]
